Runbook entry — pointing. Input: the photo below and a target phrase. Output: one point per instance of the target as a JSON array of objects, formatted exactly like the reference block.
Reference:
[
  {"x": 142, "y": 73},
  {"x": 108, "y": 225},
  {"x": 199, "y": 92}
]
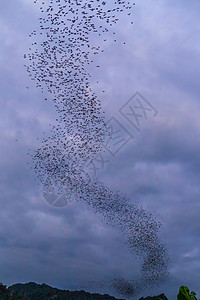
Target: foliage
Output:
[{"x": 185, "y": 294}]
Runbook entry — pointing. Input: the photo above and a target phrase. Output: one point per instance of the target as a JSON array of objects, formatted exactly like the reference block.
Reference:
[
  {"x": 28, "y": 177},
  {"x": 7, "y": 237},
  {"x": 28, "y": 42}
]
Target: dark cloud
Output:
[{"x": 159, "y": 169}]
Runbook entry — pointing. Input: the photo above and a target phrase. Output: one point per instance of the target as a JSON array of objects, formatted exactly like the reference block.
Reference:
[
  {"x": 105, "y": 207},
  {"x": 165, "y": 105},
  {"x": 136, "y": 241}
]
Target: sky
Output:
[{"x": 159, "y": 168}]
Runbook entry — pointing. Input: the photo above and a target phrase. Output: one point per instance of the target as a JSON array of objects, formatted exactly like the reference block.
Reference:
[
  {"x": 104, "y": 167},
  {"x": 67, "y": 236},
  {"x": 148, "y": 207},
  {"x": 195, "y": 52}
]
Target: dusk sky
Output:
[{"x": 156, "y": 56}]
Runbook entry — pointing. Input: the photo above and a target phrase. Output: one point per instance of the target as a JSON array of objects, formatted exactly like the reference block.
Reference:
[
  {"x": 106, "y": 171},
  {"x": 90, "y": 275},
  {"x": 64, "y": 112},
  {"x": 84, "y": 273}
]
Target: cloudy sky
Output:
[{"x": 159, "y": 168}]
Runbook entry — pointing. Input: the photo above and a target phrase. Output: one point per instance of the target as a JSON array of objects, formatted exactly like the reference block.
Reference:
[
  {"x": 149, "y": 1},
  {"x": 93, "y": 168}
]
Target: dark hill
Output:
[
  {"x": 159, "y": 297},
  {"x": 34, "y": 291}
]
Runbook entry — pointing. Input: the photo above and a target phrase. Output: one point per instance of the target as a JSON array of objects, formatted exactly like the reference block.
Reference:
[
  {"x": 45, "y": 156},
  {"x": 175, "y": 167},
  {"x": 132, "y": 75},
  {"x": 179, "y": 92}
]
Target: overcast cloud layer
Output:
[{"x": 160, "y": 168}]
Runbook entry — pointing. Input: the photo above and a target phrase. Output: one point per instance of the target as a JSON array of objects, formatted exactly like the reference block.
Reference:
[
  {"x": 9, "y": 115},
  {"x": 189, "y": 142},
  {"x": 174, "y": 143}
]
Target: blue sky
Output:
[{"x": 160, "y": 168}]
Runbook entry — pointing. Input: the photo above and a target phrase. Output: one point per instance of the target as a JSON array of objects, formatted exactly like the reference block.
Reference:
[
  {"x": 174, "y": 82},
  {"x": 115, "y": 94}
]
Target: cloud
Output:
[{"x": 159, "y": 169}]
